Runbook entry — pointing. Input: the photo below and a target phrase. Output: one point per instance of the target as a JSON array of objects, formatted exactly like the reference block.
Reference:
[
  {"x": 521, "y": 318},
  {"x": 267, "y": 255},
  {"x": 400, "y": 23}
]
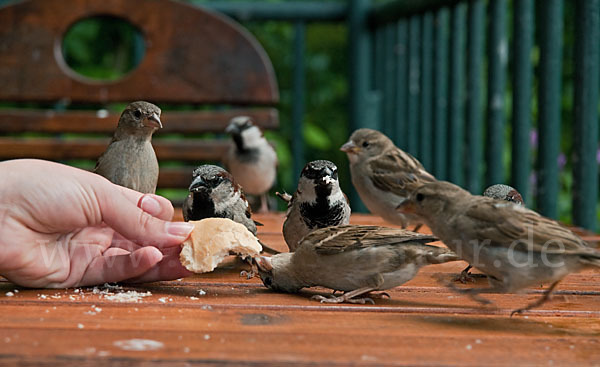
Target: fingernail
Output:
[
  {"x": 180, "y": 229},
  {"x": 150, "y": 205}
]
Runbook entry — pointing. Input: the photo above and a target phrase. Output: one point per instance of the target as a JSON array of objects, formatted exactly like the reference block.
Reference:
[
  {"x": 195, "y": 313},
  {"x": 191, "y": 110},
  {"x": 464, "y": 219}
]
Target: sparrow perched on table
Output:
[
  {"x": 383, "y": 174},
  {"x": 355, "y": 259},
  {"x": 318, "y": 202},
  {"x": 129, "y": 159},
  {"x": 514, "y": 246},
  {"x": 498, "y": 192},
  {"x": 251, "y": 159},
  {"x": 504, "y": 192},
  {"x": 215, "y": 194}
]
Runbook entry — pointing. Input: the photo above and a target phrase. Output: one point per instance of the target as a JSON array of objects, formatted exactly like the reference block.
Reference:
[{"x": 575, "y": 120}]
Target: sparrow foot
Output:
[
  {"x": 342, "y": 299},
  {"x": 466, "y": 276},
  {"x": 248, "y": 274}
]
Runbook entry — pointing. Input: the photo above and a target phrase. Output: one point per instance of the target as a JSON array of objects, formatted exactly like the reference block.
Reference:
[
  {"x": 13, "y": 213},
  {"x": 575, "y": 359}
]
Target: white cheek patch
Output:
[{"x": 328, "y": 179}]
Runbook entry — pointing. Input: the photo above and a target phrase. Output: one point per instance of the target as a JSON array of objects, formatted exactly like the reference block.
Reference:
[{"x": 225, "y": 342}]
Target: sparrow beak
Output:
[
  {"x": 232, "y": 129},
  {"x": 264, "y": 263},
  {"x": 350, "y": 147},
  {"x": 407, "y": 206},
  {"x": 154, "y": 120}
]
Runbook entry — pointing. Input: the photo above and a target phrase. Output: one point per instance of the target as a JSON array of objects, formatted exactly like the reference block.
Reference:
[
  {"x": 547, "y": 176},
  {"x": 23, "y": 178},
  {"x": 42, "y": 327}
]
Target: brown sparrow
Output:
[
  {"x": 514, "y": 246},
  {"x": 129, "y": 159},
  {"x": 318, "y": 202},
  {"x": 383, "y": 174},
  {"x": 354, "y": 259}
]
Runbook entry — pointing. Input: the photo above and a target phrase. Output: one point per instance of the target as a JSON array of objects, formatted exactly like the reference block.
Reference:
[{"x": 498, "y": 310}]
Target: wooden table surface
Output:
[{"x": 223, "y": 319}]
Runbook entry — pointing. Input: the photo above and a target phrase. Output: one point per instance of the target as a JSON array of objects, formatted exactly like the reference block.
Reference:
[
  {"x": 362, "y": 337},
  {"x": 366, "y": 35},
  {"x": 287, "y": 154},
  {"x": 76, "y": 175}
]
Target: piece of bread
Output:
[{"x": 212, "y": 240}]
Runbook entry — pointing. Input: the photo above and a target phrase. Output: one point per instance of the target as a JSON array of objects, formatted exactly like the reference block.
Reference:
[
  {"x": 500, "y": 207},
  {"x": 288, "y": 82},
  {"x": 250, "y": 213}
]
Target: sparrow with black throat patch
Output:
[
  {"x": 383, "y": 174},
  {"x": 214, "y": 193},
  {"x": 129, "y": 159},
  {"x": 318, "y": 202},
  {"x": 514, "y": 246},
  {"x": 354, "y": 259},
  {"x": 251, "y": 159}
]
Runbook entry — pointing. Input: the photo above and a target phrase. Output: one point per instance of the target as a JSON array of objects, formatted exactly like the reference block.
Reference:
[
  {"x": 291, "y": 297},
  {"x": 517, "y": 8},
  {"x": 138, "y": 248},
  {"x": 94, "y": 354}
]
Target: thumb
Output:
[{"x": 133, "y": 223}]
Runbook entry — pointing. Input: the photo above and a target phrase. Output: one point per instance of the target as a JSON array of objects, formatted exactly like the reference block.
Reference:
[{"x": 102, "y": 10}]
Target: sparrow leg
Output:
[
  {"x": 417, "y": 227},
  {"x": 539, "y": 302},
  {"x": 347, "y": 297},
  {"x": 264, "y": 204}
]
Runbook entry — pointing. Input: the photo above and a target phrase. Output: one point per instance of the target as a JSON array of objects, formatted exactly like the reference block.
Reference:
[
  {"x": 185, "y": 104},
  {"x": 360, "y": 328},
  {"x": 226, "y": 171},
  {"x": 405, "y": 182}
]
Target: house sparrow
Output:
[
  {"x": 504, "y": 192},
  {"x": 129, "y": 159},
  {"x": 251, "y": 159},
  {"x": 355, "y": 259},
  {"x": 383, "y": 174},
  {"x": 318, "y": 202},
  {"x": 498, "y": 192},
  {"x": 215, "y": 194},
  {"x": 514, "y": 246}
]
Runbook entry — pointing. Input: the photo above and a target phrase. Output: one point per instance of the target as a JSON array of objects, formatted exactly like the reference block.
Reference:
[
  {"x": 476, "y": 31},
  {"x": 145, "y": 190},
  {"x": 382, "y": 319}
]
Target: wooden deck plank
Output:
[{"x": 221, "y": 318}]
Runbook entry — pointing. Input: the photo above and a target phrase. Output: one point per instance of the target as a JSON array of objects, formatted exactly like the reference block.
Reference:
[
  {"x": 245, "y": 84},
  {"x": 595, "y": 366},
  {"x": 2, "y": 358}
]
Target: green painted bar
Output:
[
  {"x": 298, "y": 97},
  {"x": 359, "y": 75},
  {"x": 549, "y": 102},
  {"x": 587, "y": 59},
  {"x": 401, "y": 84},
  {"x": 456, "y": 95},
  {"x": 414, "y": 69},
  {"x": 379, "y": 74},
  {"x": 440, "y": 94},
  {"x": 523, "y": 18},
  {"x": 425, "y": 122},
  {"x": 282, "y": 11},
  {"x": 497, "y": 62},
  {"x": 395, "y": 9},
  {"x": 474, "y": 126},
  {"x": 389, "y": 127}
]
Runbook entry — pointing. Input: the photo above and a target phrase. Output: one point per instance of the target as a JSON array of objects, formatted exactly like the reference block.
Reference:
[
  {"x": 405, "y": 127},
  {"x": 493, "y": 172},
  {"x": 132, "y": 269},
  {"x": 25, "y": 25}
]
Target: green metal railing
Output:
[
  {"x": 459, "y": 84},
  {"x": 439, "y": 76}
]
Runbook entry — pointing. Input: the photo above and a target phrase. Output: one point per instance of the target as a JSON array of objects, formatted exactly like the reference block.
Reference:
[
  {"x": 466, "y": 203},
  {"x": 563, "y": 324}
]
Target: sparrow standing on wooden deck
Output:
[
  {"x": 318, "y": 202},
  {"x": 215, "y": 194},
  {"x": 514, "y": 246},
  {"x": 251, "y": 159},
  {"x": 129, "y": 159},
  {"x": 383, "y": 174},
  {"x": 355, "y": 259}
]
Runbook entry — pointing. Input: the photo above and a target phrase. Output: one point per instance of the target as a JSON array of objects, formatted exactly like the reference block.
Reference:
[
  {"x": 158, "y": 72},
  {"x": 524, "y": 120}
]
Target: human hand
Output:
[{"x": 64, "y": 227}]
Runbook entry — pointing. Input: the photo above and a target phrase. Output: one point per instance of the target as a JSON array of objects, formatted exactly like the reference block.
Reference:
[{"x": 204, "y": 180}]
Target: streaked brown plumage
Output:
[
  {"x": 516, "y": 247},
  {"x": 383, "y": 174},
  {"x": 352, "y": 258},
  {"x": 129, "y": 159}
]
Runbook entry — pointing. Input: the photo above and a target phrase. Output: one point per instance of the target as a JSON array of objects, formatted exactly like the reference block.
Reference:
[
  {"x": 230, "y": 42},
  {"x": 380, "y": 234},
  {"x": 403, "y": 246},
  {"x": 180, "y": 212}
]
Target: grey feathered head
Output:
[{"x": 504, "y": 192}]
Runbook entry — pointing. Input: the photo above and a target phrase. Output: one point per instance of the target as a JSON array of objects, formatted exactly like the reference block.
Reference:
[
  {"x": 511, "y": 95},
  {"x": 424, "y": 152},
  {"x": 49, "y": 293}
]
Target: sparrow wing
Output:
[
  {"x": 507, "y": 224},
  {"x": 397, "y": 171},
  {"x": 338, "y": 239}
]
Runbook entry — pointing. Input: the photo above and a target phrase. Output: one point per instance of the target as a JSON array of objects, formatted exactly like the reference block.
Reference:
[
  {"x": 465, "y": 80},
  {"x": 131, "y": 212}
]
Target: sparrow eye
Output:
[
  {"x": 268, "y": 281},
  {"x": 420, "y": 197},
  {"x": 365, "y": 144},
  {"x": 137, "y": 114}
]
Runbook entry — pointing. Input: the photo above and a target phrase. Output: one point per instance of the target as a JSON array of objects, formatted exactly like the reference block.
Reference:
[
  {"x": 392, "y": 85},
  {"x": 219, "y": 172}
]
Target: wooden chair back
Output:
[{"x": 192, "y": 56}]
